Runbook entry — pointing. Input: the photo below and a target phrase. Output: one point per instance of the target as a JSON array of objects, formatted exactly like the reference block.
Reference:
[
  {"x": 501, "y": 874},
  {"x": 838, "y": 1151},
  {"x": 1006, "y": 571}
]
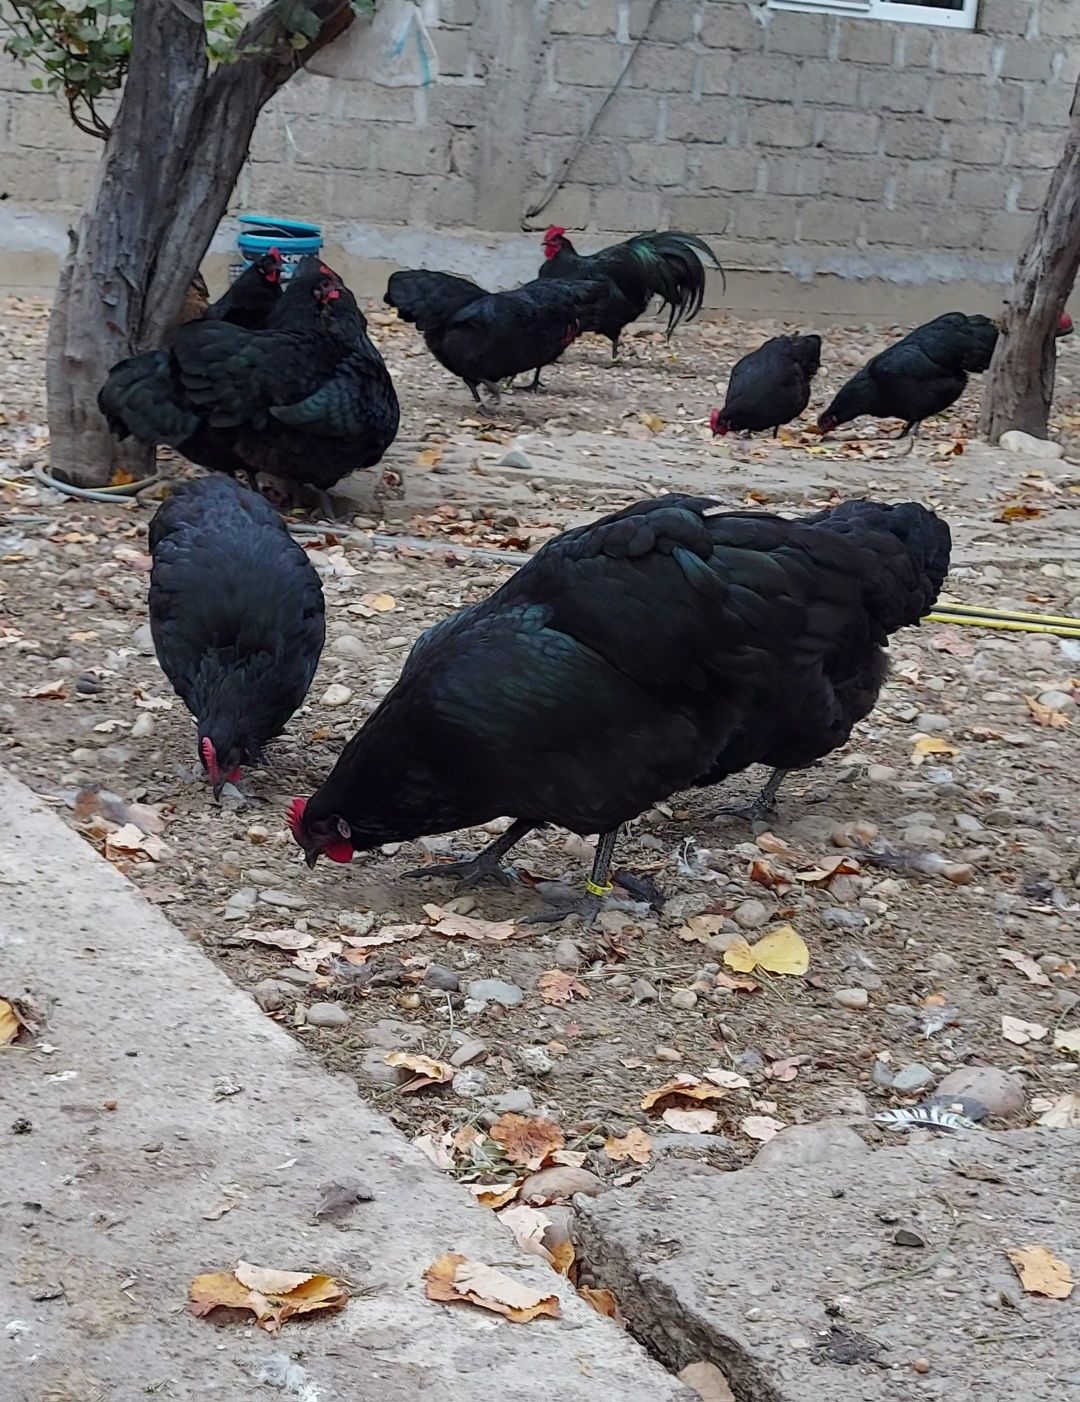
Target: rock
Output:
[
  {"x": 912, "y": 1078},
  {"x": 881, "y": 773},
  {"x": 391, "y": 1034},
  {"x": 933, "y": 723},
  {"x": 470, "y": 1050},
  {"x": 516, "y": 457},
  {"x": 643, "y": 991},
  {"x": 495, "y": 990},
  {"x": 1056, "y": 700},
  {"x": 241, "y": 903},
  {"x": 283, "y": 900},
  {"x": 271, "y": 995},
  {"x": 568, "y": 955},
  {"x": 552, "y": 1184},
  {"x": 683, "y": 998},
  {"x": 257, "y": 834},
  {"x": 336, "y": 695},
  {"x": 799, "y": 1145},
  {"x": 143, "y": 727},
  {"x": 1015, "y": 441},
  {"x": 470, "y": 1083},
  {"x": 751, "y": 915},
  {"x": 299, "y": 977},
  {"x": 707, "y": 1381},
  {"x": 853, "y": 998},
  {"x": 516, "y": 1101},
  {"x": 327, "y": 1015},
  {"x": 1050, "y": 963},
  {"x": 881, "y": 1074},
  {"x": 908, "y": 1236},
  {"x": 262, "y": 876},
  {"x": 942, "y": 962},
  {"x": 439, "y": 976},
  {"x": 349, "y": 645},
  {"x": 851, "y": 834},
  {"x": 1000, "y": 1093},
  {"x": 536, "y": 1060},
  {"x": 376, "y": 1073},
  {"x": 834, "y": 917},
  {"x": 144, "y": 639}
]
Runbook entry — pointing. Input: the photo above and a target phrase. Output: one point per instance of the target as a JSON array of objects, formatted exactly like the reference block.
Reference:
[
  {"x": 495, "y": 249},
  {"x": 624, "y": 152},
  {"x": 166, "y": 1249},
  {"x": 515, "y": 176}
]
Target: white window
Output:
[{"x": 953, "y": 14}]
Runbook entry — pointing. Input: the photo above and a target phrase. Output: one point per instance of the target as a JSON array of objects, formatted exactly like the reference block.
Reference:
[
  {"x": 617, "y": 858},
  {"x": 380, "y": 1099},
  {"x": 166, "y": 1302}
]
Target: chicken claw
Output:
[
  {"x": 759, "y": 808},
  {"x": 485, "y": 865}
]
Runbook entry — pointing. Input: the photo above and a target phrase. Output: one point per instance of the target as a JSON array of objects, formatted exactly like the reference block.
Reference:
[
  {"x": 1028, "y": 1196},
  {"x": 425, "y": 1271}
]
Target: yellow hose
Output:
[
  {"x": 976, "y": 609},
  {"x": 1005, "y": 625}
]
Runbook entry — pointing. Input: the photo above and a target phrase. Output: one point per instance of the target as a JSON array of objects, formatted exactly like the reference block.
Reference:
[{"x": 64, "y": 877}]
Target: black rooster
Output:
[
  {"x": 251, "y": 299},
  {"x": 770, "y": 386},
  {"x": 236, "y": 614},
  {"x": 484, "y": 337},
  {"x": 665, "y": 265},
  {"x": 307, "y": 399},
  {"x": 906, "y": 558},
  {"x": 607, "y": 673}
]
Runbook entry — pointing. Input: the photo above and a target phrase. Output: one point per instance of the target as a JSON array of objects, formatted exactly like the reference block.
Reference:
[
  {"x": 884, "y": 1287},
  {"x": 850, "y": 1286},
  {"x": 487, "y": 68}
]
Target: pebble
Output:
[
  {"x": 257, "y": 834},
  {"x": 1016, "y": 441},
  {"x": 568, "y": 955},
  {"x": 336, "y": 695},
  {"x": 559, "y": 1182},
  {"x": 849, "y": 834},
  {"x": 809, "y": 1144},
  {"x": 283, "y": 900},
  {"x": 933, "y": 723},
  {"x": 262, "y": 876},
  {"x": 300, "y": 977},
  {"x": 144, "y": 639},
  {"x": 1065, "y": 1000},
  {"x": 912, "y": 1078},
  {"x": 880, "y": 773},
  {"x": 1001, "y": 1092},
  {"x": 852, "y": 997},
  {"x": 144, "y": 726},
  {"x": 326, "y": 1015},
  {"x": 516, "y": 457},
  {"x": 391, "y": 1034},
  {"x": 663, "y": 1053},
  {"x": 270, "y": 994},
  {"x": 470, "y": 1083},
  {"x": 942, "y": 962},
  {"x": 470, "y": 1050},
  {"x": 834, "y": 917},
  {"x": 721, "y": 942},
  {"x": 683, "y": 998},
  {"x": 1050, "y": 963},
  {"x": 439, "y": 976},
  {"x": 536, "y": 1060},
  {"x": 375, "y": 1072},
  {"x": 357, "y": 922},
  {"x": 751, "y": 915},
  {"x": 349, "y": 645},
  {"x": 518, "y": 1100},
  {"x": 1057, "y": 700},
  {"x": 240, "y": 903},
  {"x": 643, "y": 991},
  {"x": 495, "y": 990}
]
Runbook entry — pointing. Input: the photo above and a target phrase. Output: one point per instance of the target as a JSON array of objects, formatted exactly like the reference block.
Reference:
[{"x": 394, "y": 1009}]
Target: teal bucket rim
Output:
[
  {"x": 257, "y": 243},
  {"x": 294, "y": 228}
]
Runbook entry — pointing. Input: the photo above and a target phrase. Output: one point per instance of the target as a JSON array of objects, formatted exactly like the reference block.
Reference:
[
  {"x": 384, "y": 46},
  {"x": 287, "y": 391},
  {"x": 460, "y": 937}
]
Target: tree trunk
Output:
[
  {"x": 1020, "y": 386},
  {"x": 169, "y": 166}
]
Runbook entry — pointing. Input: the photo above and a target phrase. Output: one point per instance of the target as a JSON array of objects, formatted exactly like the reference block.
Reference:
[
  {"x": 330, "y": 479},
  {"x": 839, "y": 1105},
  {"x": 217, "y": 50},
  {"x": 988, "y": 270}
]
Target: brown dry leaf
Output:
[
  {"x": 279, "y": 939},
  {"x": 1067, "y": 1039},
  {"x": 569, "y": 1158},
  {"x": 131, "y": 842},
  {"x": 737, "y": 985},
  {"x": 50, "y": 691},
  {"x": 468, "y": 927},
  {"x": 10, "y": 1025},
  {"x": 389, "y": 934},
  {"x": 682, "y": 1088},
  {"x": 653, "y": 422},
  {"x": 776, "y": 846},
  {"x": 556, "y": 986},
  {"x": 1019, "y": 511},
  {"x": 121, "y": 477},
  {"x": 1016, "y": 1030},
  {"x": 635, "y": 1144},
  {"x": 528, "y": 1225},
  {"x": 603, "y": 1302},
  {"x": 766, "y": 875},
  {"x": 787, "y": 1068},
  {"x": 381, "y": 603},
  {"x": 271, "y": 1296},
  {"x": 927, "y": 745},
  {"x": 691, "y": 1121},
  {"x": 430, "y": 457},
  {"x": 427, "y": 1071},
  {"x": 435, "y": 1150},
  {"x": 463, "y": 1141},
  {"x": 761, "y": 1127},
  {"x": 823, "y": 874},
  {"x": 453, "y": 1278},
  {"x": 526, "y": 1142},
  {"x": 1046, "y": 715},
  {"x": 781, "y": 951},
  {"x": 707, "y": 1381},
  {"x": 1025, "y": 964},
  {"x": 701, "y": 927},
  {"x": 727, "y": 1080},
  {"x": 494, "y": 1195},
  {"x": 1063, "y": 1113},
  {"x": 1041, "y": 1272}
]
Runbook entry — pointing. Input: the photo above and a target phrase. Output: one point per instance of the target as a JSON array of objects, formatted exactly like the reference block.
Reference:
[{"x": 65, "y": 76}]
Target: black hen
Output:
[
  {"x": 608, "y": 673},
  {"x": 665, "y": 265},
  {"x": 484, "y": 337},
  {"x": 919, "y": 376},
  {"x": 307, "y": 399},
  {"x": 770, "y": 386},
  {"x": 905, "y": 559},
  {"x": 236, "y": 614},
  {"x": 252, "y": 298}
]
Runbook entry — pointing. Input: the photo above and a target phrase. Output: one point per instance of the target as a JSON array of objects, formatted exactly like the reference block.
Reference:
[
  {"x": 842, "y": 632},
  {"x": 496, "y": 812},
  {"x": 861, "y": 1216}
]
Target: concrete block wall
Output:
[{"x": 836, "y": 163}]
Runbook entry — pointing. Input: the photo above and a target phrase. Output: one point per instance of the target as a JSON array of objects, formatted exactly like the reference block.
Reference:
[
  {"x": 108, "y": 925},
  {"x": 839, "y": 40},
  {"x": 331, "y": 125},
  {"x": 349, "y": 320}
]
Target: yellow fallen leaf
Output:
[
  {"x": 430, "y": 457},
  {"x": 271, "y": 1296},
  {"x": 926, "y": 745},
  {"x": 1041, "y": 1272},
  {"x": 9, "y": 1023},
  {"x": 1046, "y": 715},
  {"x": 453, "y": 1278},
  {"x": 1068, "y": 1039},
  {"x": 493, "y": 1195},
  {"x": 557, "y": 986},
  {"x": 426, "y": 1070},
  {"x": 1019, "y": 1032},
  {"x": 781, "y": 951},
  {"x": 1018, "y": 511},
  {"x": 652, "y": 422},
  {"x": 691, "y": 1121},
  {"x": 467, "y": 926},
  {"x": 381, "y": 603},
  {"x": 681, "y": 1088},
  {"x": 603, "y": 1302},
  {"x": 635, "y": 1144}
]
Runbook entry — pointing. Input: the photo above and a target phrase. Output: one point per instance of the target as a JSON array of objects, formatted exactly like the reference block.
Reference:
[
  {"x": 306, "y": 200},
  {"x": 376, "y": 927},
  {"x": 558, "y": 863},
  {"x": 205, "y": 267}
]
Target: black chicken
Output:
[
  {"x": 307, "y": 399},
  {"x": 770, "y": 386},
  {"x": 484, "y": 337},
  {"x": 906, "y": 557},
  {"x": 252, "y": 298},
  {"x": 665, "y": 265},
  {"x": 610, "y": 671},
  {"x": 236, "y": 614}
]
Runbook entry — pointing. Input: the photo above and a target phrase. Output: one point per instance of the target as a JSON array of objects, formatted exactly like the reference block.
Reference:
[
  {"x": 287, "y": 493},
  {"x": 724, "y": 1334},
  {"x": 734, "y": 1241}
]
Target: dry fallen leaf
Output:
[
  {"x": 435, "y": 1150},
  {"x": 1068, "y": 1039},
  {"x": 1046, "y": 715},
  {"x": 279, "y": 939},
  {"x": 453, "y": 1278},
  {"x": 707, "y": 1381},
  {"x": 381, "y": 603},
  {"x": 691, "y": 1121},
  {"x": 681, "y": 1088},
  {"x": 50, "y": 691},
  {"x": 1018, "y": 511},
  {"x": 493, "y": 1195},
  {"x": 430, "y": 457},
  {"x": 1062, "y": 1113},
  {"x": 603, "y": 1302},
  {"x": 1041, "y": 1272},
  {"x": 1025, "y": 964},
  {"x": 556, "y": 986},
  {"x": 532, "y": 1231},
  {"x": 467, "y": 926},
  {"x": 526, "y": 1142},
  {"x": 927, "y": 745},
  {"x": 786, "y": 1068},
  {"x": 131, "y": 841},
  {"x": 701, "y": 927},
  {"x": 635, "y": 1144},
  {"x": 9, "y": 1023},
  {"x": 781, "y": 951},
  {"x": 426, "y": 1070},
  {"x": 823, "y": 874},
  {"x": 762, "y": 1127},
  {"x": 652, "y": 422},
  {"x": 271, "y": 1296},
  {"x": 728, "y": 1080},
  {"x": 337, "y": 1198},
  {"x": 1015, "y": 1029}
]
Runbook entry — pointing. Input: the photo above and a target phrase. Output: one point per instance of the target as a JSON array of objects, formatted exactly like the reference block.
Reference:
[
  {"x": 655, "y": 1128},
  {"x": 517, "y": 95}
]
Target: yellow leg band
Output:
[{"x": 595, "y": 890}]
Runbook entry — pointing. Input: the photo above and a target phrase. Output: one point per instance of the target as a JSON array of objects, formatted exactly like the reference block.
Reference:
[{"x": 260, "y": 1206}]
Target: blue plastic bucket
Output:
[{"x": 293, "y": 238}]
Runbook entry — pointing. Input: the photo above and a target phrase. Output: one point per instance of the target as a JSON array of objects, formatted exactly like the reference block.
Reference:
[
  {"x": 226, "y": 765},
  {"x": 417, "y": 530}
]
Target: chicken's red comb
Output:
[
  {"x": 295, "y": 816},
  {"x": 206, "y": 749},
  {"x": 556, "y": 231},
  {"x": 1065, "y": 325},
  {"x": 274, "y": 253}
]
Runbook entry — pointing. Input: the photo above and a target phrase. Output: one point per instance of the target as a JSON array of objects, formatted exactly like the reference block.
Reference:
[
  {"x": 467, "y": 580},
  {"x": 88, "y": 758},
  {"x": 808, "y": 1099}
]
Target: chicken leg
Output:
[
  {"x": 759, "y": 807},
  {"x": 472, "y": 870},
  {"x": 589, "y": 905}
]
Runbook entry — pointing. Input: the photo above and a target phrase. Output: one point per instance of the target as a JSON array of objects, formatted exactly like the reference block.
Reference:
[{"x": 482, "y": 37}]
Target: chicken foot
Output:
[
  {"x": 758, "y": 808},
  {"x": 494, "y": 392},
  {"x": 598, "y": 886},
  {"x": 486, "y": 864}
]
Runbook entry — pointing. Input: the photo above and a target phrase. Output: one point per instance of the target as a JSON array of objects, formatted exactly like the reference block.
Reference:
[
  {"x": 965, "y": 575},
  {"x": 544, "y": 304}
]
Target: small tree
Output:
[
  {"x": 194, "y": 79},
  {"x": 1020, "y": 386}
]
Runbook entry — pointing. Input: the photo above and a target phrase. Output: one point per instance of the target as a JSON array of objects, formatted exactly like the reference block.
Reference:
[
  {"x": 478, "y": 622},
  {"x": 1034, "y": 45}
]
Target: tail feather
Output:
[
  {"x": 137, "y": 401},
  {"x": 429, "y": 299},
  {"x": 674, "y": 271}
]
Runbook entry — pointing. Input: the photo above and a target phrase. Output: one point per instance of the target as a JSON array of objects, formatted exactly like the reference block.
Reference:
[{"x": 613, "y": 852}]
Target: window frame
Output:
[{"x": 888, "y": 11}]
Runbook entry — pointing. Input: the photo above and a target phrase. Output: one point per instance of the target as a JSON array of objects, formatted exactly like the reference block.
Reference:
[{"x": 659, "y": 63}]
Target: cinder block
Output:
[
  {"x": 662, "y": 164},
  {"x": 566, "y": 113},
  {"x": 41, "y": 122},
  {"x": 570, "y": 206},
  {"x": 795, "y": 175},
  {"x": 310, "y": 141},
  {"x": 584, "y": 17},
  {"x": 856, "y": 179},
  {"x": 914, "y": 46},
  {"x": 367, "y": 102},
  {"x": 599, "y": 163},
  {"x": 1006, "y": 101},
  {"x": 708, "y": 119},
  {"x": 383, "y": 199},
  {"x": 803, "y": 36},
  {"x": 1031, "y": 191},
  {"x": 627, "y": 211},
  {"x": 445, "y": 202},
  {"x": 715, "y": 69},
  {"x": 957, "y": 228},
  {"x": 916, "y": 138},
  {"x": 726, "y": 168},
  {"x": 923, "y": 182},
  {"x": 976, "y": 144},
  {"x": 828, "y": 84},
  {"x": 828, "y": 221},
  {"x": 781, "y": 126},
  {"x": 458, "y": 11},
  {"x": 894, "y": 92},
  {"x": 769, "y": 79},
  {"x": 662, "y": 68},
  {"x": 290, "y": 191},
  {"x": 855, "y": 132},
  {"x": 1006, "y": 233},
  {"x": 419, "y": 151},
  {"x": 767, "y": 217},
  {"x": 673, "y": 22},
  {"x": 588, "y": 63},
  {"x": 452, "y": 48},
  {"x": 701, "y": 214},
  {"x": 1037, "y": 148},
  {"x": 1059, "y": 19},
  {"x": 24, "y": 176},
  {"x": 731, "y": 27},
  {"x": 958, "y": 51},
  {"x": 1028, "y": 58},
  {"x": 1048, "y": 106},
  {"x": 630, "y": 113},
  {"x": 897, "y": 227},
  {"x": 1005, "y": 16},
  {"x": 866, "y": 43},
  {"x": 981, "y": 189},
  {"x": 962, "y": 100}
]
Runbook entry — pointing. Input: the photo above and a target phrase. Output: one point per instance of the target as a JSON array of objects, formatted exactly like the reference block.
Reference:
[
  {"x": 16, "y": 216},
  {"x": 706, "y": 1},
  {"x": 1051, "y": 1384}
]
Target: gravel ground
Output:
[{"x": 962, "y": 783}]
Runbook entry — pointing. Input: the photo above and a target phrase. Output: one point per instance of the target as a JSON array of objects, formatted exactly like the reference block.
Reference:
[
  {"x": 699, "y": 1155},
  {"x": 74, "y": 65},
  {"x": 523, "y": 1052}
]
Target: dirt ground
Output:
[{"x": 967, "y": 768}]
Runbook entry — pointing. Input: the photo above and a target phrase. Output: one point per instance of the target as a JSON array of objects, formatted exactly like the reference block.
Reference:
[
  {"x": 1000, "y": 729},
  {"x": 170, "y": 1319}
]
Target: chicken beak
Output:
[
  {"x": 311, "y": 856},
  {"x": 217, "y": 787}
]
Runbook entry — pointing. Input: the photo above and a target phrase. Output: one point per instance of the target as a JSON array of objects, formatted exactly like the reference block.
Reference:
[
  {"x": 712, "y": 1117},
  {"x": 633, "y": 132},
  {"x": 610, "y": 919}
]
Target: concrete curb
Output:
[{"x": 103, "y": 1212}]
